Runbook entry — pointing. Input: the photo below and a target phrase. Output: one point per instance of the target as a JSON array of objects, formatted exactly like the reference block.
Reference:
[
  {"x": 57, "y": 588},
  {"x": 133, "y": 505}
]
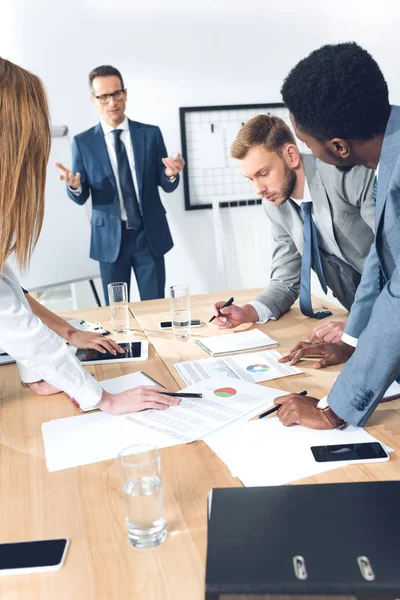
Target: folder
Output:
[{"x": 333, "y": 539}]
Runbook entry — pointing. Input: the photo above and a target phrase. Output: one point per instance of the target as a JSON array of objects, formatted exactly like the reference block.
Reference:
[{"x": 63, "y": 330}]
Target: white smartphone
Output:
[
  {"x": 357, "y": 453},
  {"x": 37, "y": 556},
  {"x": 168, "y": 324},
  {"x": 132, "y": 351}
]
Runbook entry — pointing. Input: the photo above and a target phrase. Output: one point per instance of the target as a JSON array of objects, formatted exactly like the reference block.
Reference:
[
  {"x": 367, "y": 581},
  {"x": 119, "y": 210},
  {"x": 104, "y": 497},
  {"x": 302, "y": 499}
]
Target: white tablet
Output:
[{"x": 133, "y": 351}]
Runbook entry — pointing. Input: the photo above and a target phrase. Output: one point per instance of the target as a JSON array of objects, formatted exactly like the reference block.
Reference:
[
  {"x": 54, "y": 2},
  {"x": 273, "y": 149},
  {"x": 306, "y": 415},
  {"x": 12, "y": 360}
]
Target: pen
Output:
[
  {"x": 230, "y": 301},
  {"x": 277, "y": 407},
  {"x": 181, "y": 395}
]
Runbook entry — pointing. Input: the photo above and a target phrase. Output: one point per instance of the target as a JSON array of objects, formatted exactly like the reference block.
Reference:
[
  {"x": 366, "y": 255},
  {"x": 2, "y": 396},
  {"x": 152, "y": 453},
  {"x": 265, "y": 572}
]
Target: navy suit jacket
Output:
[
  {"x": 375, "y": 315},
  {"x": 90, "y": 159}
]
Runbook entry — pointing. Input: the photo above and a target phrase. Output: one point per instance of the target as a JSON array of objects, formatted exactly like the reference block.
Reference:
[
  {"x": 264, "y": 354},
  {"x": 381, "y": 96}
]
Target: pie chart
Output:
[
  {"x": 257, "y": 368},
  {"x": 225, "y": 392}
]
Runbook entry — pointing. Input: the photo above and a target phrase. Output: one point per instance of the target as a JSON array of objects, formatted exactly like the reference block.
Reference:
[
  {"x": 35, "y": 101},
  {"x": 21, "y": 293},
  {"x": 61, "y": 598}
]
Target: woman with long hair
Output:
[{"x": 24, "y": 153}]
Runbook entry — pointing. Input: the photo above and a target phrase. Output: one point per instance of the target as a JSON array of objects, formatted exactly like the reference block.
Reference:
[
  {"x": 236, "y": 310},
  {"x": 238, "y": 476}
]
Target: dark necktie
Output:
[
  {"x": 310, "y": 258},
  {"x": 126, "y": 183},
  {"x": 381, "y": 282}
]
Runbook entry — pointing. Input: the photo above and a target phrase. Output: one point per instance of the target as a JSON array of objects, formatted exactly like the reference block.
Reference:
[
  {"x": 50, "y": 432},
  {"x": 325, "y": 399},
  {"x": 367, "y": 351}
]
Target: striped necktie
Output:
[
  {"x": 310, "y": 258},
  {"x": 126, "y": 183}
]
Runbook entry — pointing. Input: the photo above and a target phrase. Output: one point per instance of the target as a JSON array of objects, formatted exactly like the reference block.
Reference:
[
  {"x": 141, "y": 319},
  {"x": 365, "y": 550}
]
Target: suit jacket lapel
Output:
[
  {"x": 321, "y": 205},
  {"x": 101, "y": 151},
  {"x": 139, "y": 150},
  {"x": 389, "y": 154},
  {"x": 292, "y": 215}
]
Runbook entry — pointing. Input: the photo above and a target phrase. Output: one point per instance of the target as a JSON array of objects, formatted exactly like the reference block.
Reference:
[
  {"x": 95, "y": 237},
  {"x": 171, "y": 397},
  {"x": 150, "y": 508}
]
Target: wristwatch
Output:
[
  {"x": 172, "y": 178},
  {"x": 333, "y": 418}
]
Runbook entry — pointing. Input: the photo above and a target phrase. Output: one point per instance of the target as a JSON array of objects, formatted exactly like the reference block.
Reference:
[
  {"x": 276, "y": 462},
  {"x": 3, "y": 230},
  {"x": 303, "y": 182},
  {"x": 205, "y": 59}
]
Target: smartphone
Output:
[
  {"x": 367, "y": 451},
  {"x": 132, "y": 351},
  {"x": 33, "y": 557},
  {"x": 168, "y": 324}
]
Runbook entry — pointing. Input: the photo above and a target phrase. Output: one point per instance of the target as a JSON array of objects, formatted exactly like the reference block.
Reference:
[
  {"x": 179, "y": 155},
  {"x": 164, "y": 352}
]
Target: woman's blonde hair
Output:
[{"x": 25, "y": 140}]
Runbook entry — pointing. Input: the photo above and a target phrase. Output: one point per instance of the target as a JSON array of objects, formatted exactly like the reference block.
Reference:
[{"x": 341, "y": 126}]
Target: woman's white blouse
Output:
[{"x": 36, "y": 347}]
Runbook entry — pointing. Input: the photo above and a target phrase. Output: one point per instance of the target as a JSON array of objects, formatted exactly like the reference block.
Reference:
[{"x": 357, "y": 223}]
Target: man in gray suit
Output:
[
  {"x": 338, "y": 100},
  {"x": 343, "y": 216}
]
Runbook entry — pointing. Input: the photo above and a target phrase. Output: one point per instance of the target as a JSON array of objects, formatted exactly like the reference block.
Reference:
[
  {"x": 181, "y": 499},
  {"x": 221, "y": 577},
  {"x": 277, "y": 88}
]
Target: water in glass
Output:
[
  {"x": 144, "y": 510},
  {"x": 181, "y": 323},
  {"x": 119, "y": 316}
]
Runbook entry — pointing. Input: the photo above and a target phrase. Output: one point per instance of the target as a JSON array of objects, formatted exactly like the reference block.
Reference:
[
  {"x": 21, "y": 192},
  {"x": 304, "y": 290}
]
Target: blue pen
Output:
[{"x": 277, "y": 407}]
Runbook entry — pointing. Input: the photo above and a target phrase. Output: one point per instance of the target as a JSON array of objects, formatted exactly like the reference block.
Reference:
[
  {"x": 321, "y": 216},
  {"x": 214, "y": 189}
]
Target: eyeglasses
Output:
[{"x": 105, "y": 98}]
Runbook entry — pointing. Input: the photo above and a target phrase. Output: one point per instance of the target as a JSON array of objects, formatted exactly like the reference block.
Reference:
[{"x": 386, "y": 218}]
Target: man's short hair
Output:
[
  {"x": 105, "y": 71},
  {"x": 338, "y": 91},
  {"x": 263, "y": 130}
]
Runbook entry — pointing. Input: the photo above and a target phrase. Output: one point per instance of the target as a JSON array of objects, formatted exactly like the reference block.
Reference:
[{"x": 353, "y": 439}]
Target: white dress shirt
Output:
[
  {"x": 126, "y": 140},
  {"x": 326, "y": 240},
  {"x": 346, "y": 338},
  {"x": 40, "y": 353}
]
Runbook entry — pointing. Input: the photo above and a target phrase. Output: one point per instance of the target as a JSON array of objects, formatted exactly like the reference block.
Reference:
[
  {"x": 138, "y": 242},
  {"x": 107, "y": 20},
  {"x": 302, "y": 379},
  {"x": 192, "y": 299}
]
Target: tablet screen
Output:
[{"x": 132, "y": 350}]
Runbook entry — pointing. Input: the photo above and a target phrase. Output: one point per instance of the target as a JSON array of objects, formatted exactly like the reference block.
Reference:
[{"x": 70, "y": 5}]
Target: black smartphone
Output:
[
  {"x": 32, "y": 557},
  {"x": 366, "y": 451},
  {"x": 168, "y": 324}
]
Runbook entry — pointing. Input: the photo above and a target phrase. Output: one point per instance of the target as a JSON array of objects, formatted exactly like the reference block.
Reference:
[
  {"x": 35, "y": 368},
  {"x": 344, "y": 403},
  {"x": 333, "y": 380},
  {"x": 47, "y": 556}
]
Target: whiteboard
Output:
[
  {"x": 62, "y": 253},
  {"x": 211, "y": 174}
]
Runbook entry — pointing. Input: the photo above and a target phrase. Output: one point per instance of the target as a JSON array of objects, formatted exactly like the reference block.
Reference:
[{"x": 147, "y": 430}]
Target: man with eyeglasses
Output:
[{"x": 121, "y": 163}]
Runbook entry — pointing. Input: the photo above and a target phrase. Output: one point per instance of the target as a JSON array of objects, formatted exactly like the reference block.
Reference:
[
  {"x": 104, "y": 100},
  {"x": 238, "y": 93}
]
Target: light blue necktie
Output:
[
  {"x": 126, "y": 183},
  {"x": 311, "y": 258}
]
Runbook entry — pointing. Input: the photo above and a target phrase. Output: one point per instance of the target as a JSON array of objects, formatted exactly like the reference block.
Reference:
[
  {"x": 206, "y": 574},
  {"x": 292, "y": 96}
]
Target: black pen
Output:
[
  {"x": 181, "y": 395},
  {"x": 230, "y": 301},
  {"x": 277, "y": 407}
]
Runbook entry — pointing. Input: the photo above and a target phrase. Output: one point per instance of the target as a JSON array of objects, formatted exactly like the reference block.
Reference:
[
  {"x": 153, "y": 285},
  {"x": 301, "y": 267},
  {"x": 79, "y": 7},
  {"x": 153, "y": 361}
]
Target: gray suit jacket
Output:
[
  {"x": 344, "y": 202},
  {"x": 375, "y": 316}
]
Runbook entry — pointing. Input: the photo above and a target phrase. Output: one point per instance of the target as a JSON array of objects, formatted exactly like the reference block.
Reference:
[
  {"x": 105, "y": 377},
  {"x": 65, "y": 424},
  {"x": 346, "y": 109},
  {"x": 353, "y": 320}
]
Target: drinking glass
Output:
[
  {"x": 118, "y": 296},
  {"x": 143, "y": 495},
  {"x": 180, "y": 309}
]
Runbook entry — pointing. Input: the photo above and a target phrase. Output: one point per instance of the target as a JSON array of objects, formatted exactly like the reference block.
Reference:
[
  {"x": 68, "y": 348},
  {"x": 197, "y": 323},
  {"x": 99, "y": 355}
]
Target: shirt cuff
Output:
[
  {"x": 263, "y": 312},
  {"x": 77, "y": 192},
  {"x": 350, "y": 340},
  {"x": 323, "y": 403},
  {"x": 171, "y": 179},
  {"x": 89, "y": 396}
]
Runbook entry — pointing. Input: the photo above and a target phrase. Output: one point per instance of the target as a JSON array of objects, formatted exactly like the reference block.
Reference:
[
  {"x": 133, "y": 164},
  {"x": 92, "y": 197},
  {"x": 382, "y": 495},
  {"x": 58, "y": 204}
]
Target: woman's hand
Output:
[
  {"x": 94, "y": 341},
  {"x": 139, "y": 398}
]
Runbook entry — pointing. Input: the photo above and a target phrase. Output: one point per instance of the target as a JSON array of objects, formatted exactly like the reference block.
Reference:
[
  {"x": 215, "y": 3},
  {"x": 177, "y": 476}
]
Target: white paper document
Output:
[
  {"x": 217, "y": 345},
  {"x": 210, "y": 149},
  {"x": 265, "y": 452},
  {"x": 90, "y": 438},
  {"x": 253, "y": 367}
]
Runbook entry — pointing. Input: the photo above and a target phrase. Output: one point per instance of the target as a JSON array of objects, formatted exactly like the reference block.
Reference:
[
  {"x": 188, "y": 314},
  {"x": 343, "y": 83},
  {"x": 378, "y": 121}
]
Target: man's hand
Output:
[
  {"x": 72, "y": 181},
  {"x": 95, "y": 341},
  {"x": 139, "y": 398},
  {"x": 301, "y": 410},
  {"x": 232, "y": 316},
  {"x": 173, "y": 166},
  {"x": 327, "y": 332},
  {"x": 333, "y": 354},
  {"x": 41, "y": 388}
]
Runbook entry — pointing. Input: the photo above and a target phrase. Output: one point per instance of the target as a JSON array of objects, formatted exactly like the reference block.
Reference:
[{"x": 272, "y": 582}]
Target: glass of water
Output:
[
  {"x": 180, "y": 309},
  {"x": 143, "y": 496},
  {"x": 118, "y": 296}
]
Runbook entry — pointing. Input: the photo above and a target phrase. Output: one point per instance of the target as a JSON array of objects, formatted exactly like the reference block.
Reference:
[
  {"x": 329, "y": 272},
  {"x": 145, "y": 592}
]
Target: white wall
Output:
[{"x": 177, "y": 53}]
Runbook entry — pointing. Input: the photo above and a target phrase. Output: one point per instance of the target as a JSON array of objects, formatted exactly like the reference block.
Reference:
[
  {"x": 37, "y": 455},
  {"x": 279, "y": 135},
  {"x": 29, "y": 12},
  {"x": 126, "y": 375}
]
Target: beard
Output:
[
  {"x": 289, "y": 182},
  {"x": 344, "y": 169}
]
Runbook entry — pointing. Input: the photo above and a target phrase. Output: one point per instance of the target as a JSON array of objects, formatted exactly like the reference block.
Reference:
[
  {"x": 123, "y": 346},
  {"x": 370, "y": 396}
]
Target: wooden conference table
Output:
[{"x": 85, "y": 503}]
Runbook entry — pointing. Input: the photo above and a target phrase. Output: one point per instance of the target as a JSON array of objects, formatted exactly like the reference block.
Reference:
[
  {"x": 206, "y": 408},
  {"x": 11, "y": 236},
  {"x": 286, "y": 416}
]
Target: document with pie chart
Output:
[{"x": 254, "y": 368}]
